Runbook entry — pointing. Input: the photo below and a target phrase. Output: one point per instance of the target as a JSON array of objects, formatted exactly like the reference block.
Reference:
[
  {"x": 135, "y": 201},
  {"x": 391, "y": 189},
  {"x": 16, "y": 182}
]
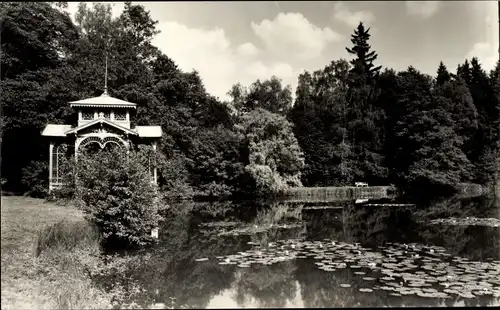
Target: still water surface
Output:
[{"x": 284, "y": 254}]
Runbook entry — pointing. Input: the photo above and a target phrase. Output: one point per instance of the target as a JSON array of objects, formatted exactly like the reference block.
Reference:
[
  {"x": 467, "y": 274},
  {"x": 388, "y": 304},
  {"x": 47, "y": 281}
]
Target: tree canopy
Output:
[{"x": 349, "y": 121}]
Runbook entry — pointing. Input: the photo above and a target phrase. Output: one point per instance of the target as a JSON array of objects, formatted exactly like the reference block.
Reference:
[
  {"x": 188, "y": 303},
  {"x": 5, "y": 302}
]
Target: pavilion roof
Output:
[
  {"x": 103, "y": 101},
  {"x": 55, "y": 130}
]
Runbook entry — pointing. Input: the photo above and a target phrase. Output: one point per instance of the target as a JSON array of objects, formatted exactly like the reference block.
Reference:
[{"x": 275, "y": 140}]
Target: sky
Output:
[{"x": 231, "y": 42}]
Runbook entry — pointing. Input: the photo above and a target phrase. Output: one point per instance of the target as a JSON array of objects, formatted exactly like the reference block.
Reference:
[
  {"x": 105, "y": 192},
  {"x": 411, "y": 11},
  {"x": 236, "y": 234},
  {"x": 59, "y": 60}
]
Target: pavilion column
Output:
[
  {"x": 51, "y": 151},
  {"x": 77, "y": 145},
  {"x": 154, "y": 163}
]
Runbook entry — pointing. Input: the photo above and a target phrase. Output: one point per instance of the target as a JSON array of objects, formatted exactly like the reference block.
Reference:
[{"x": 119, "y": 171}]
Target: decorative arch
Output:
[
  {"x": 113, "y": 140},
  {"x": 85, "y": 142},
  {"x": 102, "y": 142}
]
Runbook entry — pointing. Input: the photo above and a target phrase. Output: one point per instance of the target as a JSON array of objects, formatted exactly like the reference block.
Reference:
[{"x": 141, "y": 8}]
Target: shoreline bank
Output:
[{"x": 57, "y": 279}]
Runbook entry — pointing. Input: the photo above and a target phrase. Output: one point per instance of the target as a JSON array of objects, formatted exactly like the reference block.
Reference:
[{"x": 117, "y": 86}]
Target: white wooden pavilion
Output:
[{"x": 102, "y": 121}]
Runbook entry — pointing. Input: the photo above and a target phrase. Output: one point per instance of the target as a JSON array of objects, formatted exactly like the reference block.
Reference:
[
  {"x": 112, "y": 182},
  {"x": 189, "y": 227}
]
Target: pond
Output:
[{"x": 344, "y": 254}]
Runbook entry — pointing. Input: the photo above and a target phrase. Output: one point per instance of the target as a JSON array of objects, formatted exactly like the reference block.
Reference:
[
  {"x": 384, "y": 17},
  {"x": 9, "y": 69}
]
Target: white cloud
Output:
[
  {"x": 284, "y": 71},
  {"x": 207, "y": 51},
  {"x": 247, "y": 49},
  {"x": 292, "y": 33},
  {"x": 486, "y": 53},
  {"x": 486, "y": 49},
  {"x": 423, "y": 9},
  {"x": 257, "y": 70},
  {"x": 351, "y": 18},
  {"x": 219, "y": 63}
]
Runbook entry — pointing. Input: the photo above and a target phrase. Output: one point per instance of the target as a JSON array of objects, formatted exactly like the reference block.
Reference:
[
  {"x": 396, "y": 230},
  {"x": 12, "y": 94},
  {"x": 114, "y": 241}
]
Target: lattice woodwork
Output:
[
  {"x": 120, "y": 116},
  {"x": 87, "y": 116}
]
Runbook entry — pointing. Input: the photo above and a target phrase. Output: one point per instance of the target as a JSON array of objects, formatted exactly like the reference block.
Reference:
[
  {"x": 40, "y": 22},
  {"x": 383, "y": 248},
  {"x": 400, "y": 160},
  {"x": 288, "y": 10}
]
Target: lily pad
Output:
[
  {"x": 366, "y": 290},
  {"x": 201, "y": 259},
  {"x": 429, "y": 290}
]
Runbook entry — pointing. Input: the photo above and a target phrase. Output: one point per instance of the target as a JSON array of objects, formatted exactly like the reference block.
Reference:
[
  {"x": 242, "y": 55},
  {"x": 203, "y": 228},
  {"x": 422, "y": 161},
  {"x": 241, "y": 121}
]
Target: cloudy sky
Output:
[{"x": 230, "y": 42}]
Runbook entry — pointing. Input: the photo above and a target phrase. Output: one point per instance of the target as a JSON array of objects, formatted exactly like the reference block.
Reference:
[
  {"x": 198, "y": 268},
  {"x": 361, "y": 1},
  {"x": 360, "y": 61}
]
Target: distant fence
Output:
[{"x": 335, "y": 193}]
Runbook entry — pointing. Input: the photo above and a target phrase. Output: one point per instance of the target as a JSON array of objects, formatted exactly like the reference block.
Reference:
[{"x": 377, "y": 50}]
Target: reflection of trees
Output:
[
  {"x": 377, "y": 225},
  {"x": 172, "y": 271},
  {"x": 270, "y": 286},
  {"x": 321, "y": 289},
  {"x": 278, "y": 214},
  {"x": 460, "y": 207},
  {"x": 475, "y": 242},
  {"x": 322, "y": 224}
]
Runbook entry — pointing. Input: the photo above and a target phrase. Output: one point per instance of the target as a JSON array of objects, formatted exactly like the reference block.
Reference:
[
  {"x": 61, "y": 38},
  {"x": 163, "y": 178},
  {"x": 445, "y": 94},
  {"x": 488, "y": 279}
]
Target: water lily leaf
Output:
[
  {"x": 407, "y": 292},
  {"x": 366, "y": 290},
  {"x": 201, "y": 259},
  {"x": 429, "y": 290}
]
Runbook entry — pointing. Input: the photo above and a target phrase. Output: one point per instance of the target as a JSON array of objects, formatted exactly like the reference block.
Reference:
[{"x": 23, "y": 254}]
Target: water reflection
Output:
[{"x": 169, "y": 274}]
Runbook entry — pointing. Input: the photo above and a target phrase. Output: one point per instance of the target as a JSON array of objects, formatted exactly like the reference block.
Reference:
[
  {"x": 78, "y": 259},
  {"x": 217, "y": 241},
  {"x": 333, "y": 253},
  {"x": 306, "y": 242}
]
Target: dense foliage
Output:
[
  {"x": 351, "y": 121},
  {"x": 115, "y": 192}
]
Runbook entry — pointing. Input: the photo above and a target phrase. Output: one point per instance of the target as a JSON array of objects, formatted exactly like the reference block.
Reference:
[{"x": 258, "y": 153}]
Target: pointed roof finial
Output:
[{"x": 106, "y": 78}]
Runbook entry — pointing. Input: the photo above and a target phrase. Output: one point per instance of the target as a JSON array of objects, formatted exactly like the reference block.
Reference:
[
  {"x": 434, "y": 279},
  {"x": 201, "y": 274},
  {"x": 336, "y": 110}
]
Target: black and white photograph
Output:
[{"x": 249, "y": 154}]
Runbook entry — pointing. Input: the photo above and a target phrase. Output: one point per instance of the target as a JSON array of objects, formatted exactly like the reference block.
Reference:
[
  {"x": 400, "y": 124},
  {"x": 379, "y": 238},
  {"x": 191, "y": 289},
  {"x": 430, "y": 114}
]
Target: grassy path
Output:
[{"x": 23, "y": 287}]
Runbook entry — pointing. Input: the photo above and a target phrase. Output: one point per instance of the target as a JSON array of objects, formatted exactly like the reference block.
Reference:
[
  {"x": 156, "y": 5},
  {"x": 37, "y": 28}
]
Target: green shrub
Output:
[
  {"x": 35, "y": 179},
  {"x": 173, "y": 177},
  {"x": 115, "y": 192},
  {"x": 67, "y": 235},
  {"x": 274, "y": 159}
]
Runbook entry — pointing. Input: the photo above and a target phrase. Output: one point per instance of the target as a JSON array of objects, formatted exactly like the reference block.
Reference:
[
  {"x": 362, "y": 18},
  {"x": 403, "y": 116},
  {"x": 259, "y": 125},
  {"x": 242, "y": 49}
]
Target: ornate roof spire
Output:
[{"x": 106, "y": 78}]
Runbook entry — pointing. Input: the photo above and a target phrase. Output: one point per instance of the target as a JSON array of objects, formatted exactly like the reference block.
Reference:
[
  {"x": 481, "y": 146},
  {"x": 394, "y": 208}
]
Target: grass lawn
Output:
[{"x": 23, "y": 287}]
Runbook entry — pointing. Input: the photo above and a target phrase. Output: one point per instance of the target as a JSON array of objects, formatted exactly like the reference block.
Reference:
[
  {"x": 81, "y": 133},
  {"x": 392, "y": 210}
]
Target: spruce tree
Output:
[
  {"x": 363, "y": 67},
  {"x": 365, "y": 118},
  {"x": 443, "y": 75},
  {"x": 464, "y": 71}
]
